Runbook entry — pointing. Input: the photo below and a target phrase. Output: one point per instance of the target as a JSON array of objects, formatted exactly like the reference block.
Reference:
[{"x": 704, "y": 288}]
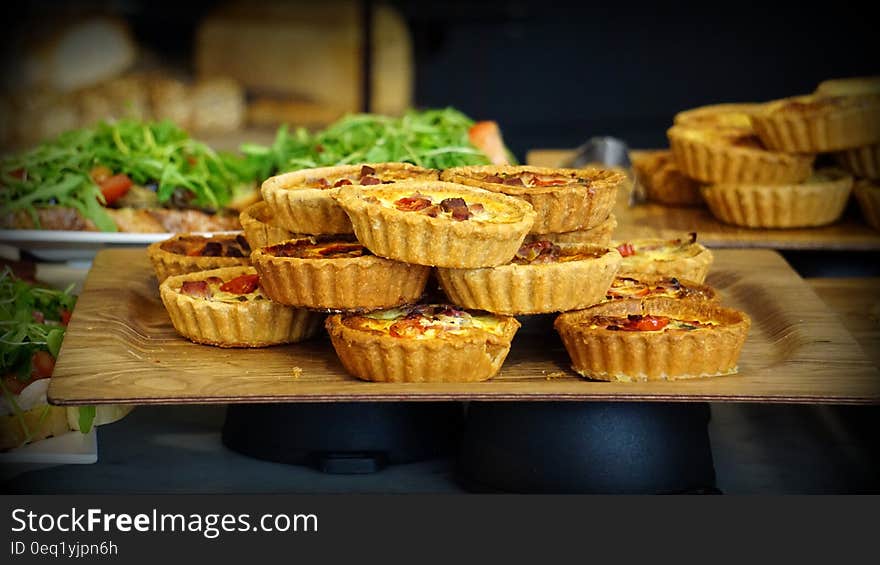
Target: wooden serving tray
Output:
[
  {"x": 851, "y": 233},
  {"x": 120, "y": 347}
]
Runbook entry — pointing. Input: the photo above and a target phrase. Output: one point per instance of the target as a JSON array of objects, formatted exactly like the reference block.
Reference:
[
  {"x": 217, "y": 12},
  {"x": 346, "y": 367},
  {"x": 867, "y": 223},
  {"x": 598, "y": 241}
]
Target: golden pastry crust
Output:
[
  {"x": 169, "y": 257},
  {"x": 490, "y": 237},
  {"x": 599, "y": 235},
  {"x": 356, "y": 280},
  {"x": 637, "y": 356},
  {"x": 737, "y": 115},
  {"x": 861, "y": 161},
  {"x": 849, "y": 86},
  {"x": 475, "y": 355},
  {"x": 301, "y": 203},
  {"x": 733, "y": 156},
  {"x": 664, "y": 182},
  {"x": 582, "y": 199},
  {"x": 536, "y": 287},
  {"x": 683, "y": 259},
  {"x": 818, "y": 201},
  {"x": 868, "y": 195},
  {"x": 651, "y": 288},
  {"x": 815, "y": 124},
  {"x": 250, "y": 323},
  {"x": 259, "y": 229}
]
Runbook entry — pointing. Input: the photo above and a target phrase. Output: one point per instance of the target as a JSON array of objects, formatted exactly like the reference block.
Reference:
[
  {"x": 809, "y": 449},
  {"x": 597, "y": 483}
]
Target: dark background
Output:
[{"x": 555, "y": 73}]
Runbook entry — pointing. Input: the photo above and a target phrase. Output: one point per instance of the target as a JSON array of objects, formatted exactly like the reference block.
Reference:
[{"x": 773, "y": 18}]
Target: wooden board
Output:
[
  {"x": 121, "y": 348},
  {"x": 649, "y": 219},
  {"x": 856, "y": 302}
]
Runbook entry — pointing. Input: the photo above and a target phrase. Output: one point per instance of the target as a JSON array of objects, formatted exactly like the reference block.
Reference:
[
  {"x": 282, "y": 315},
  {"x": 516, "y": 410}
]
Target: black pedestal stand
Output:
[
  {"x": 587, "y": 447},
  {"x": 343, "y": 437}
]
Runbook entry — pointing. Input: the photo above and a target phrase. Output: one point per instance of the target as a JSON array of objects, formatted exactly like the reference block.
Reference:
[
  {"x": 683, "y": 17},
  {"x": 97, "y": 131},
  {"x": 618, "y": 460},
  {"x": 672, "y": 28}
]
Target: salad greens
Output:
[
  {"x": 32, "y": 324},
  {"x": 57, "y": 172},
  {"x": 164, "y": 156},
  {"x": 430, "y": 138},
  {"x": 30, "y": 321}
]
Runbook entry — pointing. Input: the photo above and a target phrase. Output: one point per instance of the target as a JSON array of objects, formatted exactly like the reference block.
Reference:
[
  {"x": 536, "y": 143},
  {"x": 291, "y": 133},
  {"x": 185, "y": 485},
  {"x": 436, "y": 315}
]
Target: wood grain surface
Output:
[
  {"x": 650, "y": 219},
  {"x": 121, "y": 348}
]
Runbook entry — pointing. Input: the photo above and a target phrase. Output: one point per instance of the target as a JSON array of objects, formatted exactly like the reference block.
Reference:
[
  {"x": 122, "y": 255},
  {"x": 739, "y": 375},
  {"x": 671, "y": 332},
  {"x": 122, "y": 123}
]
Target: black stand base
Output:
[
  {"x": 343, "y": 437},
  {"x": 587, "y": 447}
]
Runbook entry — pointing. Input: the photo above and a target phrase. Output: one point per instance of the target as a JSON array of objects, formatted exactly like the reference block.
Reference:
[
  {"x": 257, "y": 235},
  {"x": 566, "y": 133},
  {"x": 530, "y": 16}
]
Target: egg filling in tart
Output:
[
  {"x": 542, "y": 277},
  {"x": 189, "y": 253},
  {"x": 681, "y": 258},
  {"x": 227, "y": 307},
  {"x": 564, "y": 199},
  {"x": 336, "y": 272},
  {"x": 623, "y": 288},
  {"x": 302, "y": 201},
  {"x": 650, "y": 340},
  {"x": 437, "y": 223},
  {"x": 422, "y": 343}
]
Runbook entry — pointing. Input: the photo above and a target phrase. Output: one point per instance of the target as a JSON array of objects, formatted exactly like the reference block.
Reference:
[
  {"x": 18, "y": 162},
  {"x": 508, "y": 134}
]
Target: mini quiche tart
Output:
[
  {"x": 814, "y": 124},
  {"x": 190, "y": 253},
  {"x": 259, "y": 227},
  {"x": 543, "y": 277},
  {"x": 868, "y": 195},
  {"x": 227, "y": 308},
  {"x": 653, "y": 340},
  {"x": 849, "y": 86},
  {"x": 818, "y": 201},
  {"x": 679, "y": 258},
  {"x": 336, "y": 272},
  {"x": 599, "y": 235},
  {"x": 725, "y": 116},
  {"x": 302, "y": 201},
  {"x": 663, "y": 180},
  {"x": 437, "y": 223},
  {"x": 733, "y": 155},
  {"x": 649, "y": 288},
  {"x": 862, "y": 161},
  {"x": 422, "y": 343},
  {"x": 564, "y": 199}
]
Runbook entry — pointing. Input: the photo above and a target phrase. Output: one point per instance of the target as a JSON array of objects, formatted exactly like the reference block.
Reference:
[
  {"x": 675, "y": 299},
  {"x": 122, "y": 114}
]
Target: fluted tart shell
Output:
[
  {"x": 862, "y": 161},
  {"x": 476, "y": 355},
  {"x": 691, "y": 261},
  {"x": 364, "y": 283},
  {"x": 488, "y": 239},
  {"x": 815, "y": 124},
  {"x": 733, "y": 156},
  {"x": 599, "y": 235},
  {"x": 868, "y": 195},
  {"x": 251, "y": 323},
  {"x": 663, "y": 180},
  {"x": 818, "y": 201},
  {"x": 300, "y": 207},
  {"x": 582, "y": 203},
  {"x": 535, "y": 288},
  {"x": 167, "y": 262},
  {"x": 259, "y": 227},
  {"x": 637, "y": 356}
]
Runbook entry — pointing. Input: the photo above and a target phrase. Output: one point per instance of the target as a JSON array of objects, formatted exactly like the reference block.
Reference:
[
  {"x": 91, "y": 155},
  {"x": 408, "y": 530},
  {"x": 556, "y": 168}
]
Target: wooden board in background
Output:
[
  {"x": 120, "y": 347},
  {"x": 650, "y": 219}
]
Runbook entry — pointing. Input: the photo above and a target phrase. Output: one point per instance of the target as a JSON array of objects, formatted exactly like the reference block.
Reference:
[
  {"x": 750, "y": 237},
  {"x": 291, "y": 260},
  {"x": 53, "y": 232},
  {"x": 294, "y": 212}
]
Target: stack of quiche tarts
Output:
[
  {"x": 783, "y": 164},
  {"x": 354, "y": 246}
]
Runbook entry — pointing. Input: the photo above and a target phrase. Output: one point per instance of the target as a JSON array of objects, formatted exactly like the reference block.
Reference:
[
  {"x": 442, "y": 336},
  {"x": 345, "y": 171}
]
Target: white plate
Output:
[
  {"x": 70, "y": 448},
  {"x": 63, "y": 245}
]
